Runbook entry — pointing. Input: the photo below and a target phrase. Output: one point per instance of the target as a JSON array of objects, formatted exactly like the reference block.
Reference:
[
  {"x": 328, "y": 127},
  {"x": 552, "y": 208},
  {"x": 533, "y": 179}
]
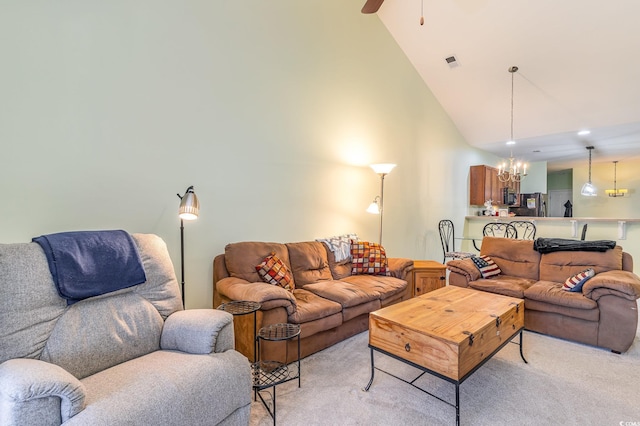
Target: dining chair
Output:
[
  {"x": 525, "y": 230},
  {"x": 447, "y": 239},
  {"x": 499, "y": 229}
]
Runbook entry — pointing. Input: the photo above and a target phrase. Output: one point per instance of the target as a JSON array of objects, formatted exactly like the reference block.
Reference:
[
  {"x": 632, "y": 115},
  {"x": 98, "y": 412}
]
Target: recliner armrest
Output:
[
  {"x": 624, "y": 284},
  {"x": 26, "y": 385},
  {"x": 198, "y": 331}
]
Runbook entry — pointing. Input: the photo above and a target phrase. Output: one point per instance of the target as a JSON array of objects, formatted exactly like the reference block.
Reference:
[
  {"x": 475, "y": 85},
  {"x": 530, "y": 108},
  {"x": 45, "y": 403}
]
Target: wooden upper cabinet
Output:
[{"x": 484, "y": 185}]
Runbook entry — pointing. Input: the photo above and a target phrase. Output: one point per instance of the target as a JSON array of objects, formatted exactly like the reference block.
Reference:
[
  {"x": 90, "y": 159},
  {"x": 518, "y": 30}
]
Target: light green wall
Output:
[
  {"x": 562, "y": 179},
  {"x": 273, "y": 110},
  {"x": 602, "y": 177},
  {"x": 536, "y": 180}
]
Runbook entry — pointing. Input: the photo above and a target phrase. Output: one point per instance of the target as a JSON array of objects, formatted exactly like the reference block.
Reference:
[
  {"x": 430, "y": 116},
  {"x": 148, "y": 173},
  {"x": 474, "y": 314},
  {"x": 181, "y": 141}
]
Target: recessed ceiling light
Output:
[
  {"x": 511, "y": 142},
  {"x": 584, "y": 132}
]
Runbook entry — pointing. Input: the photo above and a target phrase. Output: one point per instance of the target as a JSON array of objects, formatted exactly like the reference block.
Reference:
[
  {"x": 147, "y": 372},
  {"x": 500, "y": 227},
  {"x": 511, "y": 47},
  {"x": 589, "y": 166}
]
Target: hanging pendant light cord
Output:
[
  {"x": 590, "y": 163},
  {"x": 512, "y": 72}
]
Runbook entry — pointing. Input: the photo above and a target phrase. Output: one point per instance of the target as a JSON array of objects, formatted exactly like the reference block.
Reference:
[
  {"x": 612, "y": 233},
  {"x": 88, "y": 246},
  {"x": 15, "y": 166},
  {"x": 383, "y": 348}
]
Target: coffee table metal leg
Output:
[
  {"x": 366, "y": 388},
  {"x": 521, "y": 354},
  {"x": 457, "y": 403}
]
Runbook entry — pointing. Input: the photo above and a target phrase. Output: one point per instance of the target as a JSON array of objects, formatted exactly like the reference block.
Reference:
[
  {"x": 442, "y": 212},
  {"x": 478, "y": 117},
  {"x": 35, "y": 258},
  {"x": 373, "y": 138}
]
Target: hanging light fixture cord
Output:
[
  {"x": 590, "y": 148},
  {"x": 512, "y": 70}
]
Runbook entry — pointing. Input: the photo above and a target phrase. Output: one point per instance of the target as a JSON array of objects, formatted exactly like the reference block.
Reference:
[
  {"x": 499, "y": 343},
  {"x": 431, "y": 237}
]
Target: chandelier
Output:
[
  {"x": 615, "y": 192},
  {"x": 516, "y": 169}
]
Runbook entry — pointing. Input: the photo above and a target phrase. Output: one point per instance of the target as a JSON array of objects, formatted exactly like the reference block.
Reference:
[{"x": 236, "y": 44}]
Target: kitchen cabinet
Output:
[{"x": 484, "y": 185}]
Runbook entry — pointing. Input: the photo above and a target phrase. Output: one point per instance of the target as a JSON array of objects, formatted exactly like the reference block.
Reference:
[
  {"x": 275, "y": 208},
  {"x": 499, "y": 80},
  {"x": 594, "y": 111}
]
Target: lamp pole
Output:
[
  {"x": 182, "y": 259},
  {"x": 189, "y": 210},
  {"x": 382, "y": 170},
  {"x": 382, "y": 175}
]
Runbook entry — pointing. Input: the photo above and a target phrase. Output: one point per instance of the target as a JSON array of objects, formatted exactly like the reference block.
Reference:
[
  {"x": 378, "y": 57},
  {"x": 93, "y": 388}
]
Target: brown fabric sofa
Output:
[
  {"x": 328, "y": 302},
  {"x": 604, "y": 314}
]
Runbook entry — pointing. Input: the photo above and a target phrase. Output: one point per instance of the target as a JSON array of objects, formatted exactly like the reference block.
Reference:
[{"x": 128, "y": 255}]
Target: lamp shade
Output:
[
  {"x": 382, "y": 168},
  {"x": 374, "y": 207},
  {"x": 189, "y": 205},
  {"x": 588, "y": 190}
]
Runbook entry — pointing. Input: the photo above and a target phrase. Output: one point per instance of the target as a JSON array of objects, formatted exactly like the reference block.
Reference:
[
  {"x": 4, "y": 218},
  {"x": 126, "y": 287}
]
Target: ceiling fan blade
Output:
[{"x": 371, "y": 6}]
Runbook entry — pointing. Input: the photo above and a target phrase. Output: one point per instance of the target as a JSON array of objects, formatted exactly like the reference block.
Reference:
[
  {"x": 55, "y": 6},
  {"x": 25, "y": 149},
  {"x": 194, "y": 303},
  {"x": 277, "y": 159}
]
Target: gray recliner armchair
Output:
[{"x": 131, "y": 356}]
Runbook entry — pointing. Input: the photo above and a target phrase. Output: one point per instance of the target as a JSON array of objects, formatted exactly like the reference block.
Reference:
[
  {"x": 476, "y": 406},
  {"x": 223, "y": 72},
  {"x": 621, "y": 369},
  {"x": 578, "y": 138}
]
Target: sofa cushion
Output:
[
  {"x": 516, "y": 258},
  {"x": 575, "y": 282},
  {"x": 557, "y": 266},
  {"x": 273, "y": 271},
  {"x": 312, "y": 307},
  {"x": 551, "y": 292},
  {"x": 364, "y": 309},
  {"x": 241, "y": 258},
  {"x": 343, "y": 292},
  {"x": 368, "y": 258},
  {"x": 339, "y": 269},
  {"x": 561, "y": 311},
  {"x": 309, "y": 262},
  {"x": 384, "y": 287},
  {"x": 503, "y": 284}
]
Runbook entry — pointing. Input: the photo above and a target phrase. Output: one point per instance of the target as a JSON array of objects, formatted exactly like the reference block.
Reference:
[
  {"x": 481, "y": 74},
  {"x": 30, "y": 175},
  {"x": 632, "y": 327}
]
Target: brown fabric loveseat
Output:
[
  {"x": 327, "y": 302},
  {"x": 604, "y": 314}
]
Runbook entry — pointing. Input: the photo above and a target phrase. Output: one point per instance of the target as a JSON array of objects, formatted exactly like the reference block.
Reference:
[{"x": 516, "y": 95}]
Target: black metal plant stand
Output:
[{"x": 268, "y": 374}]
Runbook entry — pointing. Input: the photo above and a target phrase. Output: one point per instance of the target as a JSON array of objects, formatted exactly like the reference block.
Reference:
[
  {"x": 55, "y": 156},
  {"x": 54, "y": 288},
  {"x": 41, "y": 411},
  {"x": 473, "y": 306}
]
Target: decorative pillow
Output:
[
  {"x": 368, "y": 258},
  {"x": 575, "y": 282},
  {"x": 486, "y": 266},
  {"x": 272, "y": 270}
]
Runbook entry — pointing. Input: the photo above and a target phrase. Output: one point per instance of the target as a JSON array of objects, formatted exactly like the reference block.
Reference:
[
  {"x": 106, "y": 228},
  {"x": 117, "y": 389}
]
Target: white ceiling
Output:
[{"x": 579, "y": 68}]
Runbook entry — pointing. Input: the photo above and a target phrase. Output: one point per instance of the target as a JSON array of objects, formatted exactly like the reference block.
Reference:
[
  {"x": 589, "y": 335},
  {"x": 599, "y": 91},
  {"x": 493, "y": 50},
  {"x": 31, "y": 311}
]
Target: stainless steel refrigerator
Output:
[{"x": 532, "y": 205}]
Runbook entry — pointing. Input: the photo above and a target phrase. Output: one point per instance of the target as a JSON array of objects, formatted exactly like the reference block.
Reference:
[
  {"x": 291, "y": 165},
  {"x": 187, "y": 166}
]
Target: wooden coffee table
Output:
[{"x": 449, "y": 332}]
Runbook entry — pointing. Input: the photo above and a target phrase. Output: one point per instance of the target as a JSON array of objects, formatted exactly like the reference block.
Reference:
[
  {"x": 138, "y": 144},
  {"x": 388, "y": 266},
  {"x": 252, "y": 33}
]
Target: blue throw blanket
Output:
[{"x": 89, "y": 263}]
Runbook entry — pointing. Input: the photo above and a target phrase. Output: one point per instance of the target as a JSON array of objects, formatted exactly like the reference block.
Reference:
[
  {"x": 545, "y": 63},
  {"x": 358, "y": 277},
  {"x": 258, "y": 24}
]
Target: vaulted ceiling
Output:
[{"x": 579, "y": 68}]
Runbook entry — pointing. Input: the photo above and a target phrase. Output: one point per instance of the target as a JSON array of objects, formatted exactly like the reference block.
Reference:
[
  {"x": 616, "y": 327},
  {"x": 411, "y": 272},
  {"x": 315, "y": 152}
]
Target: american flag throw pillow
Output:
[
  {"x": 486, "y": 266},
  {"x": 575, "y": 282}
]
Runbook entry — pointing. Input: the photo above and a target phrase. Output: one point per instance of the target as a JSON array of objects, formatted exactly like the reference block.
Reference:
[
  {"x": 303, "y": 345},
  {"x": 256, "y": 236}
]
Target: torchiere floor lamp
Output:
[{"x": 377, "y": 206}]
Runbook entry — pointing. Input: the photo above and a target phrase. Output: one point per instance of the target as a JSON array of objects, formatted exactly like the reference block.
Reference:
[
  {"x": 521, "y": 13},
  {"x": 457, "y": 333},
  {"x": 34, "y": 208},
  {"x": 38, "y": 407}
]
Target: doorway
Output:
[{"x": 557, "y": 200}]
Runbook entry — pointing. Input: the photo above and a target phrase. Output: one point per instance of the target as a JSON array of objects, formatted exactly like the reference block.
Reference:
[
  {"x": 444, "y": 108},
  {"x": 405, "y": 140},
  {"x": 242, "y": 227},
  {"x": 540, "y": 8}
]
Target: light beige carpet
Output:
[{"x": 565, "y": 383}]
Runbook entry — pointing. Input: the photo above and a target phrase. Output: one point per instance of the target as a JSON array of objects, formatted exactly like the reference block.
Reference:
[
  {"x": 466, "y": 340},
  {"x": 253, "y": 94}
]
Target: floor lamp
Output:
[
  {"x": 189, "y": 209},
  {"x": 377, "y": 206}
]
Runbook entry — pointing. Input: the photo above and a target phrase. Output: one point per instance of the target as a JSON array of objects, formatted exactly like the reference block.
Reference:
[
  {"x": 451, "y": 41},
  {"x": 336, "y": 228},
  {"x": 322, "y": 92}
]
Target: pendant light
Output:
[
  {"x": 615, "y": 192},
  {"x": 516, "y": 170},
  {"x": 588, "y": 190}
]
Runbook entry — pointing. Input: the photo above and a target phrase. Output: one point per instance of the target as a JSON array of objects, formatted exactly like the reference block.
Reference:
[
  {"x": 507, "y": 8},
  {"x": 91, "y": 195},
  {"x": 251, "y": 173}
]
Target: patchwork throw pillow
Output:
[
  {"x": 368, "y": 258},
  {"x": 486, "y": 266},
  {"x": 575, "y": 282},
  {"x": 272, "y": 270}
]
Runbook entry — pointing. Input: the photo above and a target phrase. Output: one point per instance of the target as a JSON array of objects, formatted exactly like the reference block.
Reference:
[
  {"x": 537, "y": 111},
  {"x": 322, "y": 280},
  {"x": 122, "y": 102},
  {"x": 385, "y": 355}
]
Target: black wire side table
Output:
[
  {"x": 267, "y": 374},
  {"x": 244, "y": 307}
]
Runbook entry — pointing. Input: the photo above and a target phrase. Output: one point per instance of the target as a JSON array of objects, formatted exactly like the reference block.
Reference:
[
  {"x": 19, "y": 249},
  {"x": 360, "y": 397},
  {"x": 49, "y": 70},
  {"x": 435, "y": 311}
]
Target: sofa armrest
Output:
[
  {"x": 624, "y": 284},
  {"x": 465, "y": 268},
  {"x": 198, "y": 331},
  {"x": 268, "y": 295},
  {"x": 400, "y": 267},
  {"x": 28, "y": 385}
]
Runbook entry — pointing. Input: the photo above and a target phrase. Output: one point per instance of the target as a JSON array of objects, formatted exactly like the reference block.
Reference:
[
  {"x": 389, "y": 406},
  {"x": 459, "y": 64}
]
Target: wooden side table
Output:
[{"x": 428, "y": 275}]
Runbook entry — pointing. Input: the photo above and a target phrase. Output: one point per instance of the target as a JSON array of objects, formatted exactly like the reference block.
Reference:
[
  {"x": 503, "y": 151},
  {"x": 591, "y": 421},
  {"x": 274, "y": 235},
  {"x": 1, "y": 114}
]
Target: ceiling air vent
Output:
[{"x": 452, "y": 61}]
